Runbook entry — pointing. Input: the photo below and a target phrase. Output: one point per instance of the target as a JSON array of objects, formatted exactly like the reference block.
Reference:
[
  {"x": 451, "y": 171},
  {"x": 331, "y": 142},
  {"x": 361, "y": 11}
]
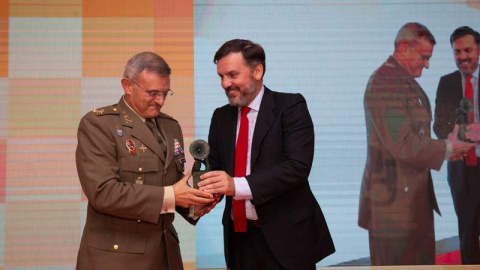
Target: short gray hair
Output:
[
  {"x": 412, "y": 32},
  {"x": 146, "y": 61}
]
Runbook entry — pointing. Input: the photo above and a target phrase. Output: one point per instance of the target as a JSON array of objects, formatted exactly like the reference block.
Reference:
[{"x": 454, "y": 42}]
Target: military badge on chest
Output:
[{"x": 131, "y": 147}]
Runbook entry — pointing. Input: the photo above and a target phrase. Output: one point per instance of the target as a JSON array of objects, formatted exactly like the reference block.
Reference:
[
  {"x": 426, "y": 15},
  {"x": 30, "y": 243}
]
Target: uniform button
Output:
[
  {"x": 115, "y": 247},
  {"x": 140, "y": 169},
  {"x": 406, "y": 189},
  {"x": 139, "y": 221}
]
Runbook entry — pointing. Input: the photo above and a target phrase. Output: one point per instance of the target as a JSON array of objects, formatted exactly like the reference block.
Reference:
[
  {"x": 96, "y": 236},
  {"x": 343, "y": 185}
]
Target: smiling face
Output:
[
  {"x": 466, "y": 52},
  {"x": 417, "y": 57},
  {"x": 240, "y": 82},
  {"x": 146, "y": 105}
]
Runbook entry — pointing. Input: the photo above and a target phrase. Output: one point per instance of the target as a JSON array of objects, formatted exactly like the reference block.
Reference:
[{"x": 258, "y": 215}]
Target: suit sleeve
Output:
[
  {"x": 444, "y": 110},
  {"x": 98, "y": 170},
  {"x": 285, "y": 155},
  {"x": 395, "y": 116}
]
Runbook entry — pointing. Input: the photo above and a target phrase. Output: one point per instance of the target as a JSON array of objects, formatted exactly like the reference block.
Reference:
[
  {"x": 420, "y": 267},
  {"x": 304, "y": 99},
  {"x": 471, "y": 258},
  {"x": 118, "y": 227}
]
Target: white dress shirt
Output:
[{"x": 242, "y": 189}]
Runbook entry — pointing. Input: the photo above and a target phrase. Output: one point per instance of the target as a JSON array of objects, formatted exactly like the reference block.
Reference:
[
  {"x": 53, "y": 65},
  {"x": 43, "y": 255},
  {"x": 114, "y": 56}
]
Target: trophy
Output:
[
  {"x": 462, "y": 120},
  {"x": 200, "y": 151}
]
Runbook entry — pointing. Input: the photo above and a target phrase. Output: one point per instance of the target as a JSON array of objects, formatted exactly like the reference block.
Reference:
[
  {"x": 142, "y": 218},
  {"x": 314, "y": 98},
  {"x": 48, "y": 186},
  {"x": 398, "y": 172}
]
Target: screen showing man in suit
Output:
[
  {"x": 397, "y": 198},
  {"x": 463, "y": 175},
  {"x": 130, "y": 163},
  {"x": 261, "y": 148}
]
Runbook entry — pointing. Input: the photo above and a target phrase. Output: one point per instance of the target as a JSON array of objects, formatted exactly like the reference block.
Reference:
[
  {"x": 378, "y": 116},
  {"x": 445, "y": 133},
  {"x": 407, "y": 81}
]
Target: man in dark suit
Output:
[
  {"x": 130, "y": 162},
  {"x": 397, "y": 198},
  {"x": 284, "y": 226},
  {"x": 463, "y": 175}
]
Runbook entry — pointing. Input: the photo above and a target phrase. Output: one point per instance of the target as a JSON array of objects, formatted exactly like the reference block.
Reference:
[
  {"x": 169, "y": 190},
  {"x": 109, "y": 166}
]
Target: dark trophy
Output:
[
  {"x": 200, "y": 151},
  {"x": 462, "y": 117}
]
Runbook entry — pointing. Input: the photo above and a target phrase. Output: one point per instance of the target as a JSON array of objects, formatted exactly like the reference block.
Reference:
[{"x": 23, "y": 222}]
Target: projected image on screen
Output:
[{"x": 328, "y": 51}]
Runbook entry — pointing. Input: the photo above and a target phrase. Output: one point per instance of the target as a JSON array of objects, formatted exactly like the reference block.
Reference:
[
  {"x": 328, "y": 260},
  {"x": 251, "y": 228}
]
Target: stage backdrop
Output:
[{"x": 62, "y": 58}]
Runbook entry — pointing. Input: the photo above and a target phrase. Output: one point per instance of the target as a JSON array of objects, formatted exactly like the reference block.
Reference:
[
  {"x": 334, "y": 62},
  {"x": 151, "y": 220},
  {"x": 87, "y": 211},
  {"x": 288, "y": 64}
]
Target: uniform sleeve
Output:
[{"x": 98, "y": 171}]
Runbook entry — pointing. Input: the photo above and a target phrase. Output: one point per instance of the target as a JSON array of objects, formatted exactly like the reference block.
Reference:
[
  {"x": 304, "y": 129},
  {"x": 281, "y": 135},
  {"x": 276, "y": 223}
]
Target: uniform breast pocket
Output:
[{"x": 139, "y": 170}]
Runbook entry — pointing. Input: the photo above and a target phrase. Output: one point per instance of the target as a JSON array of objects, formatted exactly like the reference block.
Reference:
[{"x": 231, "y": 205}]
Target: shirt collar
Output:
[
  {"x": 255, "y": 104},
  {"x": 143, "y": 119}
]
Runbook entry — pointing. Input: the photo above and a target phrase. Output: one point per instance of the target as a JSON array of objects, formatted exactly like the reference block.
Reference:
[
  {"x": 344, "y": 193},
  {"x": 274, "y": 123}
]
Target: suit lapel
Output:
[
  {"x": 265, "y": 119},
  {"x": 229, "y": 141},
  {"x": 420, "y": 95}
]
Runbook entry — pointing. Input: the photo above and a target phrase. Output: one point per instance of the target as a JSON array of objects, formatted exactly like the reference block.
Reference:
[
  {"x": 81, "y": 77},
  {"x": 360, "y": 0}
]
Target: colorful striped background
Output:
[{"x": 58, "y": 60}]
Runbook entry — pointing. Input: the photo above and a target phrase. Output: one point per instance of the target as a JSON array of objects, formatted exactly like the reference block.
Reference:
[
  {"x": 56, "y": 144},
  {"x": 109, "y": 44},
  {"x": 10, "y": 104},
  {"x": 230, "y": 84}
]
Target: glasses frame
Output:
[{"x": 154, "y": 93}]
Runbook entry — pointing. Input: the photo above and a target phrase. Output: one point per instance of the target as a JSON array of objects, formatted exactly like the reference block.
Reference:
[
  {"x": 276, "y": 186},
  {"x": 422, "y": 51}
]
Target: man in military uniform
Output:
[{"x": 130, "y": 163}]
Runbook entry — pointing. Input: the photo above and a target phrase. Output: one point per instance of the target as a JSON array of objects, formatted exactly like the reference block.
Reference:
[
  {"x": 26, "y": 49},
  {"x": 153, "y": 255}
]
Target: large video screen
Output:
[{"x": 326, "y": 50}]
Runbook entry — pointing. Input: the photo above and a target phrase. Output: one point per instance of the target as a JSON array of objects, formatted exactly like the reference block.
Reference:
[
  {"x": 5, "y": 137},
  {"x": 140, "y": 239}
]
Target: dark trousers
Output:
[
  {"x": 467, "y": 207},
  {"x": 250, "y": 251}
]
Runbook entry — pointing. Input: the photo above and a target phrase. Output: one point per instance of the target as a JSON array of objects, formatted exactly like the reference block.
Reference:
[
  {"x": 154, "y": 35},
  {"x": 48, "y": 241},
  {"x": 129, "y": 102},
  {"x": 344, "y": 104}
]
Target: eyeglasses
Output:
[{"x": 154, "y": 93}]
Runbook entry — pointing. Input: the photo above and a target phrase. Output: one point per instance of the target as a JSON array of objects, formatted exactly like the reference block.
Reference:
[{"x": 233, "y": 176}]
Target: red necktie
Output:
[
  {"x": 471, "y": 158},
  {"x": 239, "y": 214}
]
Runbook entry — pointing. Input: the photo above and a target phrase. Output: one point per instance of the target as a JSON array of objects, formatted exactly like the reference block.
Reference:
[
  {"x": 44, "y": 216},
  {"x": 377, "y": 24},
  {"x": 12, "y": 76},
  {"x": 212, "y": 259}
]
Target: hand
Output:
[
  {"x": 186, "y": 196},
  {"x": 217, "y": 182},
  {"x": 200, "y": 211},
  {"x": 473, "y": 132},
  {"x": 459, "y": 148}
]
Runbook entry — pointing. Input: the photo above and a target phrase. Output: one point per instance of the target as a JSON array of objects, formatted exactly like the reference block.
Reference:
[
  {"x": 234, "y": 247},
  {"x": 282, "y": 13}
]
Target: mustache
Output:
[
  {"x": 232, "y": 88},
  {"x": 464, "y": 61}
]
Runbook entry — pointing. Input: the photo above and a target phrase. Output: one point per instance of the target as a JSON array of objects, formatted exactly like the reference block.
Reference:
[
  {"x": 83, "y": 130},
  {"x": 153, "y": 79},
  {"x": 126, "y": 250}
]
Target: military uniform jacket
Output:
[
  {"x": 397, "y": 184},
  {"x": 123, "y": 171}
]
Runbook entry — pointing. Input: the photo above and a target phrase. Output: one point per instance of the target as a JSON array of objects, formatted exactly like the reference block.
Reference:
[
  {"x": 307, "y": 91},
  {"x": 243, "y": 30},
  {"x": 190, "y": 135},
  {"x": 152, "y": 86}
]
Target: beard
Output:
[
  {"x": 243, "y": 99},
  {"x": 467, "y": 66}
]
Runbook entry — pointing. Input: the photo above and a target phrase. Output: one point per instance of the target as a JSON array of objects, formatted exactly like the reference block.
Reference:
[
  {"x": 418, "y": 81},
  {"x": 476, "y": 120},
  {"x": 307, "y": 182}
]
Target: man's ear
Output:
[
  {"x": 258, "y": 72},
  {"x": 127, "y": 86}
]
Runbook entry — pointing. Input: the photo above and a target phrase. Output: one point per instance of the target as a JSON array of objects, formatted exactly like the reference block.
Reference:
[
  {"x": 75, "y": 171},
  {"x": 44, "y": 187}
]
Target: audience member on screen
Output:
[
  {"x": 463, "y": 175},
  {"x": 130, "y": 162},
  {"x": 397, "y": 198},
  {"x": 262, "y": 146}
]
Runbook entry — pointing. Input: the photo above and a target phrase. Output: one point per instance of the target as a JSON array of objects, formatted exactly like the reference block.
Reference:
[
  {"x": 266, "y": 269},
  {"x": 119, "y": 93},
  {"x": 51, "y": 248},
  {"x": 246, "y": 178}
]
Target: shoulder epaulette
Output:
[
  {"x": 164, "y": 115},
  {"x": 112, "y": 109}
]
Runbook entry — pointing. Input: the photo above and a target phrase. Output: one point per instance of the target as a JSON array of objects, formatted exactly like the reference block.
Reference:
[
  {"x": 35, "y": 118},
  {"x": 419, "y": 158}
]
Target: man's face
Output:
[
  {"x": 418, "y": 57},
  {"x": 466, "y": 53},
  {"x": 138, "y": 93},
  {"x": 240, "y": 83}
]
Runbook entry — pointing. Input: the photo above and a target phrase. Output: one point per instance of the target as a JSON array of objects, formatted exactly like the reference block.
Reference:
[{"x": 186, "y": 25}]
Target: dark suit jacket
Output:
[
  {"x": 281, "y": 158},
  {"x": 449, "y": 94},
  {"x": 397, "y": 186},
  {"x": 124, "y": 228}
]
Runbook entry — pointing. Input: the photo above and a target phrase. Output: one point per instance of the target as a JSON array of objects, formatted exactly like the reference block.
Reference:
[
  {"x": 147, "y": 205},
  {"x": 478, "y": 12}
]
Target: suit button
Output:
[
  {"x": 140, "y": 169},
  {"x": 406, "y": 189},
  {"x": 139, "y": 221},
  {"x": 115, "y": 247}
]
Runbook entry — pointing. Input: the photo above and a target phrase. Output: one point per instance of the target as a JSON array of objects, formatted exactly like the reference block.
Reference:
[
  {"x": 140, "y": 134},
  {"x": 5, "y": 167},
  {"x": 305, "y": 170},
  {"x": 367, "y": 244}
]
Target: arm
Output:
[
  {"x": 280, "y": 163},
  {"x": 286, "y": 154},
  {"x": 398, "y": 122}
]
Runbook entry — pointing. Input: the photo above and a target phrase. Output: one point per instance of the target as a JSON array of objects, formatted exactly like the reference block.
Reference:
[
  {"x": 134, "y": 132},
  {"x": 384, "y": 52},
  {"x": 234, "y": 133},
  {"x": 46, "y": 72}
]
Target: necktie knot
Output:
[
  {"x": 245, "y": 110},
  {"x": 468, "y": 77},
  {"x": 150, "y": 124}
]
